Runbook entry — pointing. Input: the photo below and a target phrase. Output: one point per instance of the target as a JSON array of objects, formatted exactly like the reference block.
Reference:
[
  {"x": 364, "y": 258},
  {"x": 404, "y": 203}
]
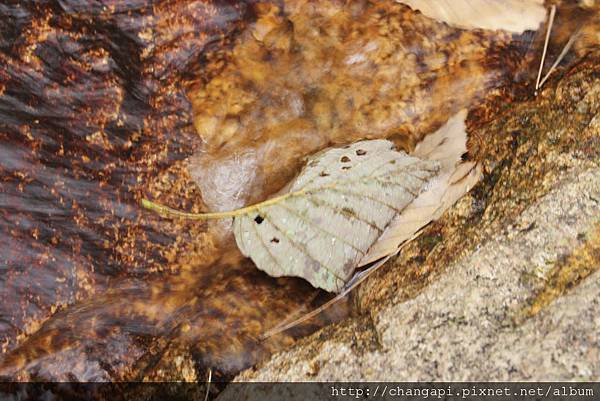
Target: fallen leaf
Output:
[
  {"x": 351, "y": 206},
  {"x": 454, "y": 179},
  {"x": 333, "y": 212}
]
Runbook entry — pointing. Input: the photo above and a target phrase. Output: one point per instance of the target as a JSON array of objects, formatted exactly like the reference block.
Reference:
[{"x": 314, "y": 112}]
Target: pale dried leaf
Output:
[
  {"x": 510, "y": 15},
  {"x": 335, "y": 210},
  {"x": 455, "y": 178}
]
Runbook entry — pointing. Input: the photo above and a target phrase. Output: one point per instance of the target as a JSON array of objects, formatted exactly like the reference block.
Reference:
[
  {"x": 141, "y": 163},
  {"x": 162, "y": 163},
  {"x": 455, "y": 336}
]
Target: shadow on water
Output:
[{"x": 94, "y": 115}]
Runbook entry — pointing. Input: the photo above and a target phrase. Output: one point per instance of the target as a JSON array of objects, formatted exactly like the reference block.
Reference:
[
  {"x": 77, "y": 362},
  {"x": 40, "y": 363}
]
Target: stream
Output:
[{"x": 198, "y": 105}]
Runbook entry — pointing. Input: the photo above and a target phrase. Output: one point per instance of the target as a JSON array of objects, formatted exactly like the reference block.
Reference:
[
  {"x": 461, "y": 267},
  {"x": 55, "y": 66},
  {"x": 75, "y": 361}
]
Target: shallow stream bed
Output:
[{"x": 104, "y": 103}]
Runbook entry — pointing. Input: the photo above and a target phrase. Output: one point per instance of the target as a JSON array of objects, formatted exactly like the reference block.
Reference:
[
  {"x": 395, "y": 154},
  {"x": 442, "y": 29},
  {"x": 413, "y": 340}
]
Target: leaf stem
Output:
[{"x": 169, "y": 212}]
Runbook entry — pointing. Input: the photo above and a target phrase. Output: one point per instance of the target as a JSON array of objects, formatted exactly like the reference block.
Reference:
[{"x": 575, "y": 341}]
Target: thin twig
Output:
[
  {"x": 548, "y": 31},
  {"x": 208, "y": 384},
  {"x": 299, "y": 311},
  {"x": 560, "y": 57},
  {"x": 352, "y": 284}
]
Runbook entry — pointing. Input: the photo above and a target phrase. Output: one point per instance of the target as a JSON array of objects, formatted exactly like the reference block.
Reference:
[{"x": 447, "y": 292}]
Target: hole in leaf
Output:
[
  {"x": 259, "y": 219},
  {"x": 346, "y": 168},
  {"x": 361, "y": 152},
  {"x": 275, "y": 240},
  {"x": 323, "y": 174},
  {"x": 392, "y": 161},
  {"x": 345, "y": 159}
]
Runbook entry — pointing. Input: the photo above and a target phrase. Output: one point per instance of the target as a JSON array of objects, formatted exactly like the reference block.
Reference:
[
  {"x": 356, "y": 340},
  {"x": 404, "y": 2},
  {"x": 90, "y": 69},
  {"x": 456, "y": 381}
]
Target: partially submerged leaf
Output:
[
  {"x": 351, "y": 206},
  {"x": 335, "y": 210},
  {"x": 510, "y": 15},
  {"x": 454, "y": 179}
]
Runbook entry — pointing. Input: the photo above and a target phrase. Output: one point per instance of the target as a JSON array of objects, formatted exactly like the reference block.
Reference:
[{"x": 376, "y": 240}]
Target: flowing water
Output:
[{"x": 199, "y": 104}]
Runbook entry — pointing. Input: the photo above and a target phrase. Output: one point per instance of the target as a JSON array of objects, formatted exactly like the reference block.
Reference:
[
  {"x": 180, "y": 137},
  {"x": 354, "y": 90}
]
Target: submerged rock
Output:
[{"x": 308, "y": 75}]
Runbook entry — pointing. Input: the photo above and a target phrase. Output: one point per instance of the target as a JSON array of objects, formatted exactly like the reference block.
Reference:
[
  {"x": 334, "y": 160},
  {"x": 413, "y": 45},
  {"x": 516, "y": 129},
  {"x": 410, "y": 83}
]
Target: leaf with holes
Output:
[{"x": 332, "y": 213}]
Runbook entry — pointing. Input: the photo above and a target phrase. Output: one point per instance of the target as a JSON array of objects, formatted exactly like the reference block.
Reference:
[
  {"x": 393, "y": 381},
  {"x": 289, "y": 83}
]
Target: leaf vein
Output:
[
  {"x": 312, "y": 224},
  {"x": 365, "y": 196},
  {"x": 351, "y": 214},
  {"x": 378, "y": 179},
  {"x": 302, "y": 249}
]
